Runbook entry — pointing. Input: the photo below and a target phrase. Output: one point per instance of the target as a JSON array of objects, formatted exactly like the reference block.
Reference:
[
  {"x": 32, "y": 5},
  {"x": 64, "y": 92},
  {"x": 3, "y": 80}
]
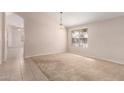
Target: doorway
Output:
[{"x": 14, "y": 28}]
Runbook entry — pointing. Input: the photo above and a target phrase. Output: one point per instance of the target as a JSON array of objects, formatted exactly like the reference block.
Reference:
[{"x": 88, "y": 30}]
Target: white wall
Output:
[
  {"x": 1, "y": 37},
  {"x": 106, "y": 40},
  {"x": 42, "y": 35}
]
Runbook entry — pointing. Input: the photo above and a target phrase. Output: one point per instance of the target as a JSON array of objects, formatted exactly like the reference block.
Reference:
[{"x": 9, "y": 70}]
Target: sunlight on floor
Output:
[
  {"x": 86, "y": 58},
  {"x": 89, "y": 59}
]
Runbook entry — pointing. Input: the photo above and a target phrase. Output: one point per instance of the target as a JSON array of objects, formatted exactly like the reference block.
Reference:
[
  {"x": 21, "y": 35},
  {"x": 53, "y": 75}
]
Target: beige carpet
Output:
[{"x": 69, "y": 67}]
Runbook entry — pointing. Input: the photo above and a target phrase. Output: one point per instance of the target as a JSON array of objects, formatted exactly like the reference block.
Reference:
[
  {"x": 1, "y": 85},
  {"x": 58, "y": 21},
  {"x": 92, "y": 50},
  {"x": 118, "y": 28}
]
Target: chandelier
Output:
[{"x": 61, "y": 22}]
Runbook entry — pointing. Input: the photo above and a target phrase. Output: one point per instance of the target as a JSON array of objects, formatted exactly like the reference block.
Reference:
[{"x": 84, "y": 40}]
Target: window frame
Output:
[{"x": 84, "y": 38}]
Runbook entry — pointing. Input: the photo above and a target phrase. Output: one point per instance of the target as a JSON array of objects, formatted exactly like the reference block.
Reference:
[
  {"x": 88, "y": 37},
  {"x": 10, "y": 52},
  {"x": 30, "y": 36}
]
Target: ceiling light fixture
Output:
[{"x": 61, "y": 20}]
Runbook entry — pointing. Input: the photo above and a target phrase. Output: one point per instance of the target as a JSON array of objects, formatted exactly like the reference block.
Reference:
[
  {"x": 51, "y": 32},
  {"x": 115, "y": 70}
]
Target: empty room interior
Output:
[{"x": 61, "y": 46}]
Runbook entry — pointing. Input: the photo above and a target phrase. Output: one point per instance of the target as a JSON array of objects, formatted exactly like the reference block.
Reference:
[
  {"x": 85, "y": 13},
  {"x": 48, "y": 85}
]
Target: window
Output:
[{"x": 80, "y": 38}]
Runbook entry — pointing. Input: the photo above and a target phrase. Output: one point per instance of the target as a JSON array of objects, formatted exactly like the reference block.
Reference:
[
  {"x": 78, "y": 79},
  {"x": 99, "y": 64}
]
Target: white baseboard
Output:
[
  {"x": 42, "y": 54},
  {"x": 101, "y": 58},
  {"x": 110, "y": 60}
]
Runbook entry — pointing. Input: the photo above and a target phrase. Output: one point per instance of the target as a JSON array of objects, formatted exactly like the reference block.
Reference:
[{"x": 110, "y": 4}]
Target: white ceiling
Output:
[
  {"x": 80, "y": 18},
  {"x": 71, "y": 19}
]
